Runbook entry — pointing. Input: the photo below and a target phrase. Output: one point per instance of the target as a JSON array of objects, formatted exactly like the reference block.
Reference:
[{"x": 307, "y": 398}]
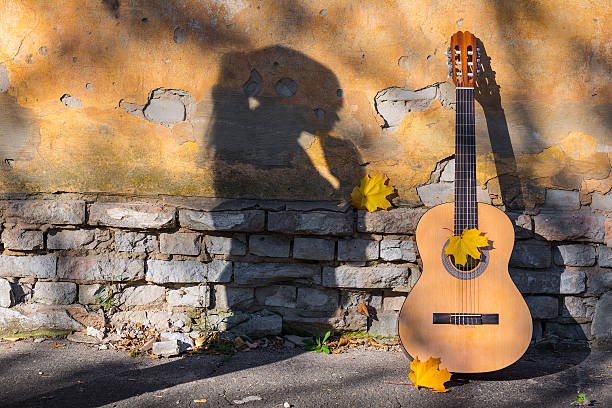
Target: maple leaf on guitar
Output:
[
  {"x": 371, "y": 193},
  {"x": 466, "y": 244},
  {"x": 427, "y": 375}
]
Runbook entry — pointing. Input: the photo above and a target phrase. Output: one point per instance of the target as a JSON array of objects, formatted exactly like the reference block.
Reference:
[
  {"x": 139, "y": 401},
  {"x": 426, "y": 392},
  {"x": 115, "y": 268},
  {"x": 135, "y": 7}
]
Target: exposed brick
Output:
[
  {"x": 99, "y": 268},
  {"x": 270, "y": 245},
  {"x": 248, "y": 220},
  {"x": 313, "y": 249},
  {"x": 55, "y": 293},
  {"x": 394, "y": 221},
  {"x": 129, "y": 241},
  {"x": 36, "y": 266},
  {"x": 131, "y": 215},
  {"x": 262, "y": 274},
  {"x": 44, "y": 211},
  {"x": 176, "y": 271},
  {"x": 23, "y": 240},
  {"x": 561, "y": 200},
  {"x": 357, "y": 250},
  {"x": 379, "y": 276},
  {"x": 180, "y": 243},
  {"x": 315, "y": 222}
]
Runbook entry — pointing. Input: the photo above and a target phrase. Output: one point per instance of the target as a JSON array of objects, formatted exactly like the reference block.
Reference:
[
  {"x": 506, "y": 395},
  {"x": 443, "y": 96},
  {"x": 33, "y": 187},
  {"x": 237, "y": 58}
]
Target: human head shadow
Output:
[{"x": 269, "y": 107}]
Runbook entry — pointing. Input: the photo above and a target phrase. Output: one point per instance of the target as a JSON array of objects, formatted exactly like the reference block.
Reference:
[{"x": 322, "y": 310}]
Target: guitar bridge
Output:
[{"x": 466, "y": 319}]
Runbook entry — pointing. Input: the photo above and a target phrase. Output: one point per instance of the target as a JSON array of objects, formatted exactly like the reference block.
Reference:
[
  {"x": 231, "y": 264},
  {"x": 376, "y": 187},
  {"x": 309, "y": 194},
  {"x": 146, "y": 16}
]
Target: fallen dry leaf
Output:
[
  {"x": 13, "y": 339},
  {"x": 59, "y": 345},
  {"x": 363, "y": 309},
  {"x": 199, "y": 342},
  {"x": 200, "y": 400},
  {"x": 372, "y": 193},
  {"x": 427, "y": 375},
  {"x": 343, "y": 342},
  {"x": 238, "y": 343}
]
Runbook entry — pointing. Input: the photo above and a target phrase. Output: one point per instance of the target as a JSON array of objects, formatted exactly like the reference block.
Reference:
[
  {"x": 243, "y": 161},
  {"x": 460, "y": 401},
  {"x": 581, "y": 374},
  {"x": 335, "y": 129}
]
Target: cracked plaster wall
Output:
[{"x": 282, "y": 100}]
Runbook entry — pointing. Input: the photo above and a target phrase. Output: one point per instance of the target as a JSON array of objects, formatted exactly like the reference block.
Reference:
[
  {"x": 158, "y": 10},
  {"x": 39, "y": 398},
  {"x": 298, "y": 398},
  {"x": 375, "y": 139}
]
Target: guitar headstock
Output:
[{"x": 463, "y": 59}]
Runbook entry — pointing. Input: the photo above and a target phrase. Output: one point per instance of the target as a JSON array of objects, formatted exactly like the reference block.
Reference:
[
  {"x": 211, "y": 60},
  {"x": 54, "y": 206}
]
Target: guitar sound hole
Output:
[{"x": 471, "y": 264}]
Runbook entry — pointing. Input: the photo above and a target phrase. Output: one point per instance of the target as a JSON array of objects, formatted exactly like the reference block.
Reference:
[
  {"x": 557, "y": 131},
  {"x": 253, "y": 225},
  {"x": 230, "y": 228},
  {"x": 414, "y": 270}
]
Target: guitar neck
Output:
[{"x": 466, "y": 207}]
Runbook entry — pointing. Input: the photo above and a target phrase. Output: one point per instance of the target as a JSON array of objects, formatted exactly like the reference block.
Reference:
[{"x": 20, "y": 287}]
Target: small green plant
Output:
[
  {"x": 105, "y": 295},
  {"x": 317, "y": 344},
  {"x": 582, "y": 400}
]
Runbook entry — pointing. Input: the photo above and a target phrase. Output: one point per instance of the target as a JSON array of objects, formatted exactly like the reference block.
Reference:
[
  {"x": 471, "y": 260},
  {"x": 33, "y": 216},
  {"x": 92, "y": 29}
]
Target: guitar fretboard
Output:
[{"x": 466, "y": 207}]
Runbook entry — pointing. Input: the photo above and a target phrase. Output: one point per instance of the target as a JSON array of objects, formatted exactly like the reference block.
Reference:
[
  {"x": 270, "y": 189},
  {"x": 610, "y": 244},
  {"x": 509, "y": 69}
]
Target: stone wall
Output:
[{"x": 266, "y": 267}]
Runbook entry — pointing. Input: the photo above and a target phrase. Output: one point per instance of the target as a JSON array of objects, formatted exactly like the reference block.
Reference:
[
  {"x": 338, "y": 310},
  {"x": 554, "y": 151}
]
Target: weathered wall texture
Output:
[{"x": 291, "y": 99}]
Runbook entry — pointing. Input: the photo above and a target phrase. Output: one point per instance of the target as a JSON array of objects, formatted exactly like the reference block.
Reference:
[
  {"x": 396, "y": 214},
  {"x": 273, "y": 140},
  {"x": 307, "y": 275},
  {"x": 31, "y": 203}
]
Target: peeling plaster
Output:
[
  {"x": 165, "y": 107},
  {"x": 71, "y": 101}
]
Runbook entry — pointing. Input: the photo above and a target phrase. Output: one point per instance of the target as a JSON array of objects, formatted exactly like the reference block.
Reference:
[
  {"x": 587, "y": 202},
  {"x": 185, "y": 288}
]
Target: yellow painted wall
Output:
[{"x": 551, "y": 60}]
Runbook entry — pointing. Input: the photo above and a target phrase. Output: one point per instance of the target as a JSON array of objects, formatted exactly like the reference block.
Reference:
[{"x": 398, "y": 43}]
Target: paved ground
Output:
[{"x": 77, "y": 375}]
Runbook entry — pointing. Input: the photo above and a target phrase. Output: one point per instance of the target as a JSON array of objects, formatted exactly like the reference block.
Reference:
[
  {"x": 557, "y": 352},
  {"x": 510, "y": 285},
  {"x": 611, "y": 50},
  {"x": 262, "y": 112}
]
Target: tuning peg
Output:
[
  {"x": 447, "y": 53},
  {"x": 477, "y": 59},
  {"x": 448, "y": 64}
]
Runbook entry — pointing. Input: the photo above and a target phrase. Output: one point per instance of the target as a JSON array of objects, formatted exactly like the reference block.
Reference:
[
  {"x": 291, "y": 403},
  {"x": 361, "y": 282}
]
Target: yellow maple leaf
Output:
[
  {"x": 371, "y": 193},
  {"x": 466, "y": 244},
  {"x": 427, "y": 375}
]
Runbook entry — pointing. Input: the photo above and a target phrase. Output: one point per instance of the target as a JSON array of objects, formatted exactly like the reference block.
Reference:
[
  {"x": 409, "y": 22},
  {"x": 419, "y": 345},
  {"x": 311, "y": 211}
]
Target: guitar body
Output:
[{"x": 461, "y": 346}]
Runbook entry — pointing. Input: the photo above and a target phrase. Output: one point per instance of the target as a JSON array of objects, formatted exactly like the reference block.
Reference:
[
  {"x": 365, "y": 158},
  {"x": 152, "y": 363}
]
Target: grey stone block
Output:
[
  {"x": 176, "y": 271},
  {"x": 135, "y": 242},
  {"x": 572, "y": 282},
  {"x": 398, "y": 250},
  {"x": 313, "y": 249},
  {"x": 55, "y": 293},
  {"x": 384, "y": 325},
  {"x": 230, "y": 298},
  {"x": 69, "y": 239},
  {"x": 23, "y": 240},
  {"x": 312, "y": 326},
  {"x": 569, "y": 226},
  {"x": 262, "y": 274},
  {"x": 350, "y": 299},
  {"x": 270, "y": 245},
  {"x": 235, "y": 245},
  {"x": 536, "y": 282},
  {"x": 575, "y": 333},
  {"x": 379, "y": 276},
  {"x": 601, "y": 329},
  {"x": 577, "y": 309},
  {"x": 437, "y": 193},
  {"x": 131, "y": 215},
  {"x": 248, "y": 220},
  {"x": 601, "y": 202},
  {"x": 143, "y": 295},
  {"x": 184, "y": 341},
  {"x": 260, "y": 324},
  {"x": 98, "y": 268},
  {"x": 600, "y": 282},
  {"x": 180, "y": 243},
  {"x": 357, "y": 250},
  {"x": 393, "y": 302},
  {"x": 324, "y": 300},
  {"x": 35, "y": 266},
  {"x": 575, "y": 255},
  {"x": 88, "y": 294},
  {"x": 44, "y": 211},
  {"x": 316, "y": 222},
  {"x": 276, "y": 295},
  {"x": 194, "y": 296},
  {"x": 522, "y": 223},
  {"x": 6, "y": 294},
  {"x": 220, "y": 271},
  {"x": 543, "y": 307},
  {"x": 36, "y": 318},
  {"x": 531, "y": 254},
  {"x": 604, "y": 255},
  {"x": 561, "y": 200},
  {"x": 394, "y": 221},
  {"x": 166, "y": 348}
]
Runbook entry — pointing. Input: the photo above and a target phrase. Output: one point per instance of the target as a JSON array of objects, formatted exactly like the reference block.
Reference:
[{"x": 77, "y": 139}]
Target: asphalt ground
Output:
[{"x": 79, "y": 375}]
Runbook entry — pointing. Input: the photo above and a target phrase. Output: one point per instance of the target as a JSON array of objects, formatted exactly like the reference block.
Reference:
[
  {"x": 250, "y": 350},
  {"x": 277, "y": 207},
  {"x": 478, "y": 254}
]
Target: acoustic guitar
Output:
[{"x": 471, "y": 316}]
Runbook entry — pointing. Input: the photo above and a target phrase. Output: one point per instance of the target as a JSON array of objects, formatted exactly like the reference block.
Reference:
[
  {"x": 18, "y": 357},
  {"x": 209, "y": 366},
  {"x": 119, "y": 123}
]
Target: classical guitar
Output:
[{"x": 469, "y": 315}]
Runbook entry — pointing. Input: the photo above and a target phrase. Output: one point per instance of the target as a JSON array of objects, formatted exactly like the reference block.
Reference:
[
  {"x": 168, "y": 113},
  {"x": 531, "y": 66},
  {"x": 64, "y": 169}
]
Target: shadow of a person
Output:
[{"x": 270, "y": 130}]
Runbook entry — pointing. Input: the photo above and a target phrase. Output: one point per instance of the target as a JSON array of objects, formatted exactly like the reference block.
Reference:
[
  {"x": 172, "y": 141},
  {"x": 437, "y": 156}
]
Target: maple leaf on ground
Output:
[
  {"x": 466, "y": 244},
  {"x": 427, "y": 375},
  {"x": 371, "y": 193}
]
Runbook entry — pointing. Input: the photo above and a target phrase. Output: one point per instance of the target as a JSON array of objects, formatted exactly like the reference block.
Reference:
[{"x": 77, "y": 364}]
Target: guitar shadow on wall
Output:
[{"x": 529, "y": 281}]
